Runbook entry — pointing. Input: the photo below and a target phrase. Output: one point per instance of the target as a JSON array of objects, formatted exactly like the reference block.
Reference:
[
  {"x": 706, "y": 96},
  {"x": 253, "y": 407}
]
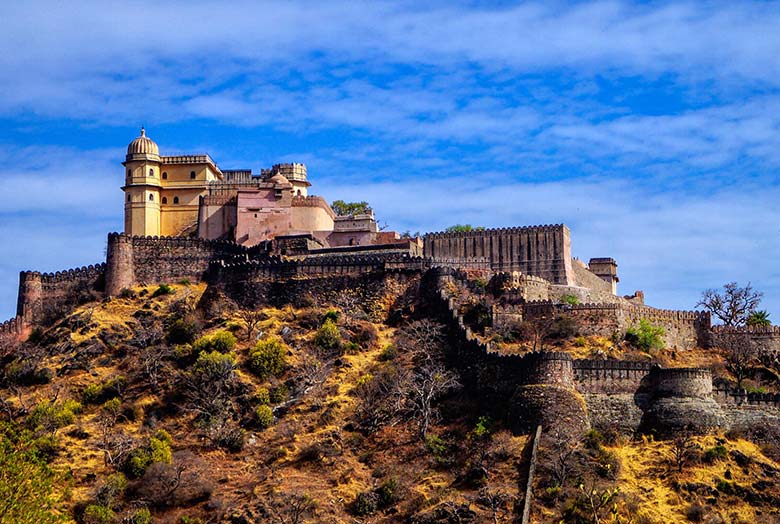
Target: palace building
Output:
[{"x": 190, "y": 196}]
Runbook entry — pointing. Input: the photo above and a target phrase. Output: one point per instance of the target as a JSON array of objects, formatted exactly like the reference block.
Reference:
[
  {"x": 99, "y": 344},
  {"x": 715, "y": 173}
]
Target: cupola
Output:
[{"x": 143, "y": 147}]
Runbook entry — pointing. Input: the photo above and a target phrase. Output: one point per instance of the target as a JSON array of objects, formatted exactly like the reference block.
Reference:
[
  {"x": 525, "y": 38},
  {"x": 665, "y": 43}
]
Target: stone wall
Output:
[
  {"x": 682, "y": 329},
  {"x": 765, "y": 337},
  {"x": 43, "y": 296},
  {"x": 133, "y": 260},
  {"x": 14, "y": 326},
  {"x": 543, "y": 251}
]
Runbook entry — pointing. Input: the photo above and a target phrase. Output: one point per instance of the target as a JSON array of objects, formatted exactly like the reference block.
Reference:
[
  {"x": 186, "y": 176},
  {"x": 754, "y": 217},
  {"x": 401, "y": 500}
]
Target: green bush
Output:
[
  {"x": 27, "y": 372},
  {"x": 332, "y": 315},
  {"x": 222, "y": 341},
  {"x": 262, "y": 397},
  {"x": 182, "y": 331},
  {"x": 268, "y": 357},
  {"x": 328, "y": 336},
  {"x": 111, "y": 489},
  {"x": 366, "y": 503},
  {"x": 388, "y": 353},
  {"x": 99, "y": 393},
  {"x": 351, "y": 348},
  {"x": 571, "y": 300},
  {"x": 264, "y": 415},
  {"x": 388, "y": 492},
  {"x": 593, "y": 439},
  {"x": 160, "y": 451},
  {"x": 185, "y": 282},
  {"x": 280, "y": 394},
  {"x": 162, "y": 289},
  {"x": 715, "y": 454},
  {"x": 96, "y": 514},
  {"x": 157, "y": 449},
  {"x": 126, "y": 293},
  {"x": 645, "y": 336},
  {"x": 141, "y": 516},
  {"x": 49, "y": 417},
  {"x": 214, "y": 366},
  {"x": 580, "y": 342}
]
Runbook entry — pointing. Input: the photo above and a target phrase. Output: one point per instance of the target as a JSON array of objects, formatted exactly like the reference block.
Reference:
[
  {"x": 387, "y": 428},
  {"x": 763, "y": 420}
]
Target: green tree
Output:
[
  {"x": 463, "y": 228},
  {"x": 645, "y": 336},
  {"x": 759, "y": 319},
  {"x": 26, "y": 483},
  {"x": 268, "y": 357},
  {"x": 342, "y": 208}
]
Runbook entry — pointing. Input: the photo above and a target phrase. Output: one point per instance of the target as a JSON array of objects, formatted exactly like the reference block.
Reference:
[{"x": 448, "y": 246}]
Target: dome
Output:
[
  {"x": 143, "y": 145},
  {"x": 280, "y": 180}
]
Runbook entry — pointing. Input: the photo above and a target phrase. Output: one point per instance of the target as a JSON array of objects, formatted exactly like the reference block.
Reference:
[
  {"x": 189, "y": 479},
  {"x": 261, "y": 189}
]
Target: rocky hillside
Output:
[{"x": 171, "y": 404}]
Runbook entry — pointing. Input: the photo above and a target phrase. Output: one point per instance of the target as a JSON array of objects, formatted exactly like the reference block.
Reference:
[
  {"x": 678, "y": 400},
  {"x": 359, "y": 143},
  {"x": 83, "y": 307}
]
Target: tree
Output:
[
  {"x": 740, "y": 353},
  {"x": 559, "y": 448},
  {"x": 429, "y": 382},
  {"x": 683, "y": 447},
  {"x": 759, "y": 319},
  {"x": 342, "y": 208},
  {"x": 252, "y": 319},
  {"x": 734, "y": 305},
  {"x": 290, "y": 508},
  {"x": 463, "y": 228}
]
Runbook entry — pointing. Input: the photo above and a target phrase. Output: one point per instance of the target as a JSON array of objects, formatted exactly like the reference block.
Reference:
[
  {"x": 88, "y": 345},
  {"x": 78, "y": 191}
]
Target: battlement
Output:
[
  {"x": 313, "y": 201},
  {"x": 741, "y": 397},
  {"x": 746, "y": 330},
  {"x": 90, "y": 271},
  {"x": 14, "y": 326},
  {"x": 174, "y": 242},
  {"x": 493, "y": 231},
  {"x": 683, "y": 382},
  {"x": 188, "y": 159}
]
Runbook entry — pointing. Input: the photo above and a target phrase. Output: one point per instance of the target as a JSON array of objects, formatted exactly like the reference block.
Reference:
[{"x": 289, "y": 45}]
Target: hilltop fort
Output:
[{"x": 264, "y": 239}]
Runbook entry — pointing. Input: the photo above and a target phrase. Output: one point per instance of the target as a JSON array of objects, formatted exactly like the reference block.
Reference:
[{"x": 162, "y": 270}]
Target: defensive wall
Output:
[
  {"x": 682, "y": 329},
  {"x": 542, "y": 251},
  {"x": 764, "y": 337},
  {"x": 43, "y": 295},
  {"x": 626, "y": 395}
]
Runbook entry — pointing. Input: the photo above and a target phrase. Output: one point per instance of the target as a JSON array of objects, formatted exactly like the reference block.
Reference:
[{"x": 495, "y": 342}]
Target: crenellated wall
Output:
[
  {"x": 765, "y": 337},
  {"x": 543, "y": 251},
  {"x": 14, "y": 326},
  {"x": 42, "y": 296}
]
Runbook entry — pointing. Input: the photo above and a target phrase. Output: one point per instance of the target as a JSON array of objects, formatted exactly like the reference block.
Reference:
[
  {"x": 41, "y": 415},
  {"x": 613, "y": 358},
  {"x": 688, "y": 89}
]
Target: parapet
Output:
[
  {"x": 683, "y": 382},
  {"x": 495, "y": 231}
]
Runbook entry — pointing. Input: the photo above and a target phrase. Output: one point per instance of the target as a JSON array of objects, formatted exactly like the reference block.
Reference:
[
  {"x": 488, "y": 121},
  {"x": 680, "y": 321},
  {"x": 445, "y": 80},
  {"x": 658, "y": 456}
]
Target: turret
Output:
[
  {"x": 142, "y": 187},
  {"x": 606, "y": 270}
]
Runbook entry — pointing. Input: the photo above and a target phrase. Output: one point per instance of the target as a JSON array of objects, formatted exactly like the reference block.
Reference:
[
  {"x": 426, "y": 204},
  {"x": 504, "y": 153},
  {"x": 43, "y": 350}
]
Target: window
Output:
[
  {"x": 192, "y": 174},
  {"x": 151, "y": 197},
  {"x": 129, "y": 172},
  {"x": 129, "y": 198},
  {"x": 175, "y": 200},
  {"x": 165, "y": 175},
  {"x": 165, "y": 200},
  {"x": 151, "y": 172}
]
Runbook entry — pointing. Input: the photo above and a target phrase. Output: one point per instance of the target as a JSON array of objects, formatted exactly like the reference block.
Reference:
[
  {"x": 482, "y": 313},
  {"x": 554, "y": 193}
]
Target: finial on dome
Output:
[{"x": 143, "y": 131}]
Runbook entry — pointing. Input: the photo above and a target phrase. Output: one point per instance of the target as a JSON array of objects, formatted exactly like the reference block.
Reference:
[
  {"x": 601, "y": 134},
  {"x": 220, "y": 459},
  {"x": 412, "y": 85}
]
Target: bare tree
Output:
[
  {"x": 734, "y": 305},
  {"x": 495, "y": 501},
  {"x": 427, "y": 384},
  {"x": 252, "y": 319},
  {"x": 290, "y": 508},
  {"x": 559, "y": 449},
  {"x": 683, "y": 447},
  {"x": 740, "y": 353},
  {"x": 422, "y": 339},
  {"x": 598, "y": 499},
  {"x": 153, "y": 361}
]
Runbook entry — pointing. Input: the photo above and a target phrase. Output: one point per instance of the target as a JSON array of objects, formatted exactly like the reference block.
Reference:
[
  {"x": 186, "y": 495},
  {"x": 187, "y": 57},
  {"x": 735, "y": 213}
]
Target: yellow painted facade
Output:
[{"x": 162, "y": 192}]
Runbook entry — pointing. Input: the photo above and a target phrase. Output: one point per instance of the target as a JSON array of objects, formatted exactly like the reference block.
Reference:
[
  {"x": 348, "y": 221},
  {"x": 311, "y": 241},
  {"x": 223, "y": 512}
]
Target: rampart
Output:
[
  {"x": 682, "y": 329},
  {"x": 765, "y": 337},
  {"x": 14, "y": 326},
  {"x": 133, "y": 260},
  {"x": 42, "y": 296},
  {"x": 543, "y": 251}
]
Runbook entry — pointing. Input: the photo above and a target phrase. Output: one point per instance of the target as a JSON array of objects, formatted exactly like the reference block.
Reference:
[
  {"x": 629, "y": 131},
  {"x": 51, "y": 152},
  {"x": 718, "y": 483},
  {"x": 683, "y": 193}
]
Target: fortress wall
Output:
[
  {"x": 14, "y": 326},
  {"x": 543, "y": 251},
  {"x": 584, "y": 278},
  {"x": 765, "y": 337},
  {"x": 43, "y": 296},
  {"x": 610, "y": 376},
  {"x": 134, "y": 260}
]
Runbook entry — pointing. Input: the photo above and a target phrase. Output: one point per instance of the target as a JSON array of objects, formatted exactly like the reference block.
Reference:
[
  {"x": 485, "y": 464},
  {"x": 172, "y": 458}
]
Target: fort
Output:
[{"x": 263, "y": 239}]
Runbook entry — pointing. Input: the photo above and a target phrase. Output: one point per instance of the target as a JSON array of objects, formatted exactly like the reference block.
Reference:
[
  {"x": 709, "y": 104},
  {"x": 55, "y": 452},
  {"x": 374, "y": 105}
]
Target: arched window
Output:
[
  {"x": 151, "y": 197},
  {"x": 151, "y": 172},
  {"x": 165, "y": 175},
  {"x": 175, "y": 200},
  {"x": 192, "y": 174},
  {"x": 165, "y": 200}
]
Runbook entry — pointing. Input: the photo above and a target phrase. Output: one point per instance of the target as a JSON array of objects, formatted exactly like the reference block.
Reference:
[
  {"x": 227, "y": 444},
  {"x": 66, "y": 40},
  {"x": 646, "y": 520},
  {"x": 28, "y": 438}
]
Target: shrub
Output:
[
  {"x": 580, "y": 342},
  {"x": 366, "y": 503},
  {"x": 279, "y": 394},
  {"x": 99, "y": 393},
  {"x": 388, "y": 493},
  {"x": 96, "y": 514},
  {"x": 162, "y": 289},
  {"x": 185, "y": 282},
  {"x": 111, "y": 489},
  {"x": 571, "y": 300},
  {"x": 645, "y": 336},
  {"x": 229, "y": 436},
  {"x": 26, "y": 372},
  {"x": 221, "y": 341},
  {"x": 438, "y": 447},
  {"x": 264, "y": 415},
  {"x": 182, "y": 331},
  {"x": 262, "y": 397},
  {"x": 328, "y": 336},
  {"x": 332, "y": 315},
  {"x": 594, "y": 439},
  {"x": 388, "y": 353},
  {"x": 268, "y": 357},
  {"x": 564, "y": 326},
  {"x": 351, "y": 348},
  {"x": 141, "y": 516},
  {"x": 607, "y": 464},
  {"x": 157, "y": 450},
  {"x": 49, "y": 416},
  {"x": 126, "y": 293},
  {"x": 715, "y": 454}
]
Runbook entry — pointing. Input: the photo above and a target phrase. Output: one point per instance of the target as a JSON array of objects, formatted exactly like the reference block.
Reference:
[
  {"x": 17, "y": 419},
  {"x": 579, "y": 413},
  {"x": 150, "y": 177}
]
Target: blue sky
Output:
[{"x": 651, "y": 129}]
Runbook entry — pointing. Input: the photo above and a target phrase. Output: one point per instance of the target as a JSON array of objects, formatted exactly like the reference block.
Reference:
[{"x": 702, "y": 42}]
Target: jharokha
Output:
[{"x": 264, "y": 239}]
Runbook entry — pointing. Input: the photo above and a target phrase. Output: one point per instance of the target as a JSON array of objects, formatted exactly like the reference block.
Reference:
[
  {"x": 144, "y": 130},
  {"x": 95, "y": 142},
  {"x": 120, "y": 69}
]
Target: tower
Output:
[{"x": 142, "y": 187}]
